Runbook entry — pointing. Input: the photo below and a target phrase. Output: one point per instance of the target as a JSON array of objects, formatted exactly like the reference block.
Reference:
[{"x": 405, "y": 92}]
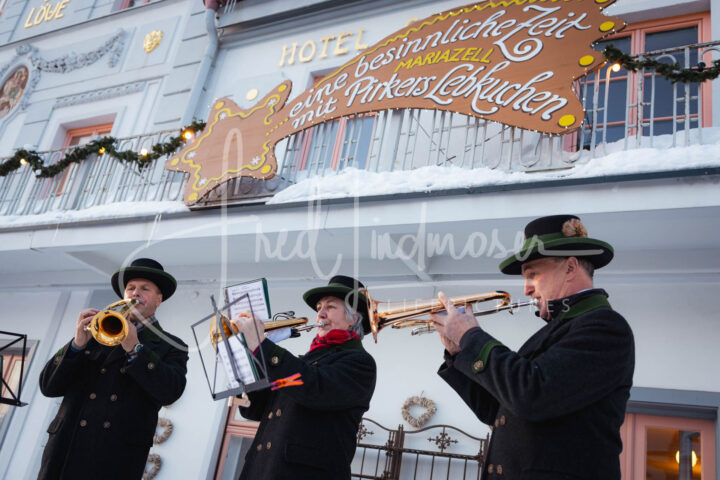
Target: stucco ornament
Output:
[
  {"x": 152, "y": 40},
  {"x": 424, "y": 402},
  {"x": 72, "y": 61}
]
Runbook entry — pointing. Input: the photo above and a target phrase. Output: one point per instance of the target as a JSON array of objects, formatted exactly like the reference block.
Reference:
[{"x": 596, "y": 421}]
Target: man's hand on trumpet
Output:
[
  {"x": 251, "y": 327},
  {"x": 82, "y": 334},
  {"x": 452, "y": 324}
]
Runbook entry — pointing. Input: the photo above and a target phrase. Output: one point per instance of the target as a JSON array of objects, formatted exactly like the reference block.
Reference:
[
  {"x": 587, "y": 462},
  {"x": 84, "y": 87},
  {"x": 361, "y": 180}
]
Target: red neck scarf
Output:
[{"x": 333, "y": 337}]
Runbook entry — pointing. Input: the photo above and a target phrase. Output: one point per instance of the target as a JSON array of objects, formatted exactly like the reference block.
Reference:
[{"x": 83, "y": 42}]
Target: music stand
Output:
[
  {"x": 15, "y": 400},
  {"x": 259, "y": 363}
]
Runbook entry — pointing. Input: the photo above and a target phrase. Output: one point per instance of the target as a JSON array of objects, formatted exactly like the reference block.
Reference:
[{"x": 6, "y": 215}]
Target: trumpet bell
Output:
[
  {"x": 215, "y": 329},
  {"x": 109, "y": 326},
  {"x": 415, "y": 313}
]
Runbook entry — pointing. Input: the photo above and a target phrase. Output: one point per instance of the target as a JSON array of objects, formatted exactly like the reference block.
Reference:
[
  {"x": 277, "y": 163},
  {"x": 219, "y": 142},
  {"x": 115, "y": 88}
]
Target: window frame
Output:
[{"x": 637, "y": 32}]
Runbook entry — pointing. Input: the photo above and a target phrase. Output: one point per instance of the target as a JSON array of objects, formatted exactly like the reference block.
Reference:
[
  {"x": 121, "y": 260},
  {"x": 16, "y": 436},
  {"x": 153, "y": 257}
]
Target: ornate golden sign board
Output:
[{"x": 511, "y": 62}]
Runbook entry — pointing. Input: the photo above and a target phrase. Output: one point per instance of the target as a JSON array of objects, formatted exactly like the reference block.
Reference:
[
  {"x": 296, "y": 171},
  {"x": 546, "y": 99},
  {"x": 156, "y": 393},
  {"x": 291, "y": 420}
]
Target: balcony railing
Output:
[
  {"x": 100, "y": 180},
  {"x": 631, "y": 108}
]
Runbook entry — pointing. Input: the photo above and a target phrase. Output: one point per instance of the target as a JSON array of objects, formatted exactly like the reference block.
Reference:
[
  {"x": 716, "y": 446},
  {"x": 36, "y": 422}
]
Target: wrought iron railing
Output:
[
  {"x": 434, "y": 452},
  {"x": 629, "y": 108}
]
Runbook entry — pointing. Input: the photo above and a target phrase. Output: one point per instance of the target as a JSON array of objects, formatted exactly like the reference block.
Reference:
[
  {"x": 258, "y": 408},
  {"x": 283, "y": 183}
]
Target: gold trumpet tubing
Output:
[
  {"x": 290, "y": 322},
  {"x": 405, "y": 314}
]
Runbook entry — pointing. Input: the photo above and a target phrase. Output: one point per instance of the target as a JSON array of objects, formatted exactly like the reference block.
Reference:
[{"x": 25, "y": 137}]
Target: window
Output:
[
  {"x": 333, "y": 145},
  {"x": 239, "y": 434},
  {"x": 341, "y": 143},
  {"x": 57, "y": 185},
  {"x": 667, "y": 448},
  {"x": 123, "y": 4},
  {"x": 11, "y": 367},
  {"x": 657, "y": 93}
]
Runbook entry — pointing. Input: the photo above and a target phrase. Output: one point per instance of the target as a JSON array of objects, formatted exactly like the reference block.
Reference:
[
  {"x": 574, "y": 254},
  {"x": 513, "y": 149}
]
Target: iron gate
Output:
[{"x": 453, "y": 453}]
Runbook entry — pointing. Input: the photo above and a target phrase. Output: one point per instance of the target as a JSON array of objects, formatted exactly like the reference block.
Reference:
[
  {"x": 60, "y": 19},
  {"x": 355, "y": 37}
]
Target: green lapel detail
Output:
[
  {"x": 584, "y": 306},
  {"x": 480, "y": 361}
]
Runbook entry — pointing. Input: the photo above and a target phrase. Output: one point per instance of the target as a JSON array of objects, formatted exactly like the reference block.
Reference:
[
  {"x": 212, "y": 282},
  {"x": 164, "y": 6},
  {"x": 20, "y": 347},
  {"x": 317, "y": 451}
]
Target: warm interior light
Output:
[
  {"x": 694, "y": 457},
  {"x": 615, "y": 67}
]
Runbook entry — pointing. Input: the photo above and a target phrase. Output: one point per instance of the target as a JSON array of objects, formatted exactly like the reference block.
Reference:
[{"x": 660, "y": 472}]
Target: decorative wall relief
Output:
[
  {"x": 100, "y": 94},
  {"x": 12, "y": 90},
  {"x": 67, "y": 63}
]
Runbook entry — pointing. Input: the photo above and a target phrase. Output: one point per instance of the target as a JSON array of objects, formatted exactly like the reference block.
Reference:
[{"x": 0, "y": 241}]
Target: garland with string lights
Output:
[
  {"x": 102, "y": 146},
  {"x": 671, "y": 72}
]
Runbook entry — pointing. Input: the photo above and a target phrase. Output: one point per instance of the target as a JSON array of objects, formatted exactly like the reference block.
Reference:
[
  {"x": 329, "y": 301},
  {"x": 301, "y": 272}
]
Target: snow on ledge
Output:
[
  {"x": 99, "y": 212},
  {"x": 352, "y": 182}
]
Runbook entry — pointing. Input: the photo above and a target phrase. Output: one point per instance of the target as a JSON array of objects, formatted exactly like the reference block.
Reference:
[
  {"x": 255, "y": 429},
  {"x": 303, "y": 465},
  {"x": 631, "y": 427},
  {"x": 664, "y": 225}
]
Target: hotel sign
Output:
[{"x": 512, "y": 62}]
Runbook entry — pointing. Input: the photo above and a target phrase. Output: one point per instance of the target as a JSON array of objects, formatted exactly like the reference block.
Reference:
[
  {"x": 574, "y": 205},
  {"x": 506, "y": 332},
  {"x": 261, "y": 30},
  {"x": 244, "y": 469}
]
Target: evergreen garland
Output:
[
  {"x": 101, "y": 146},
  {"x": 671, "y": 72}
]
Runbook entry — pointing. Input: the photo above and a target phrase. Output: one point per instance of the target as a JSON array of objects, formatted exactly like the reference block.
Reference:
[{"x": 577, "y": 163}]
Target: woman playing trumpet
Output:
[{"x": 309, "y": 431}]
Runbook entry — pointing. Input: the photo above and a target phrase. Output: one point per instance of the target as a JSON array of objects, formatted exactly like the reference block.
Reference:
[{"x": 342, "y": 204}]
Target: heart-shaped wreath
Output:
[
  {"x": 424, "y": 402},
  {"x": 156, "y": 462},
  {"x": 167, "y": 424}
]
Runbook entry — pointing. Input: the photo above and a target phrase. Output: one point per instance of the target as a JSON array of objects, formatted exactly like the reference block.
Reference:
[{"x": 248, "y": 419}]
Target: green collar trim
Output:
[
  {"x": 583, "y": 306},
  {"x": 352, "y": 344},
  {"x": 149, "y": 333}
]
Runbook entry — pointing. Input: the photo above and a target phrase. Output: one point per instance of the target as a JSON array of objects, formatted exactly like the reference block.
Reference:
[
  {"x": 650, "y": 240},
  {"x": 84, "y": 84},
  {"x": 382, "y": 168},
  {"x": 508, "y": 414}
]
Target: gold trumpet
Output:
[
  {"x": 415, "y": 313},
  {"x": 298, "y": 323},
  {"x": 109, "y": 326}
]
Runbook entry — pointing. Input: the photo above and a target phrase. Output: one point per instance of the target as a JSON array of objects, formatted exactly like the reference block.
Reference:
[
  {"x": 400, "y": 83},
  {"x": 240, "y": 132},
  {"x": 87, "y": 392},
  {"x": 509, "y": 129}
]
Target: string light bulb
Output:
[
  {"x": 188, "y": 135},
  {"x": 143, "y": 152},
  {"x": 101, "y": 151},
  {"x": 615, "y": 68},
  {"x": 23, "y": 162},
  {"x": 694, "y": 457}
]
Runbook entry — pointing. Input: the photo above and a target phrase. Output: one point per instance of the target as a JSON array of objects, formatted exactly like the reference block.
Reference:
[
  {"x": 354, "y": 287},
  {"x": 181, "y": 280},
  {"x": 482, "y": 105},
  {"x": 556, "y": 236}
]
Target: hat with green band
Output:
[
  {"x": 346, "y": 289},
  {"x": 557, "y": 236}
]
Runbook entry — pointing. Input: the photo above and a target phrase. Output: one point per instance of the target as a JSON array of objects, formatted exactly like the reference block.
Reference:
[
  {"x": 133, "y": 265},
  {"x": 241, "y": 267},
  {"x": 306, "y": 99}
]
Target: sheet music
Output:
[
  {"x": 256, "y": 292},
  {"x": 242, "y": 362}
]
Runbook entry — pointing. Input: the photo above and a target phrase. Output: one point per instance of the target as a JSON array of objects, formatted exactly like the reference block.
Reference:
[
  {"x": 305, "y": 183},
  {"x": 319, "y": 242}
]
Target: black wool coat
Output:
[
  {"x": 309, "y": 432},
  {"x": 555, "y": 406},
  {"x": 106, "y": 422}
]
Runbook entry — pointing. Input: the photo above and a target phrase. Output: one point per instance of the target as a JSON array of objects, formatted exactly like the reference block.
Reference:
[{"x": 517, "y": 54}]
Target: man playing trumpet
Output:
[
  {"x": 112, "y": 394},
  {"x": 309, "y": 431},
  {"x": 555, "y": 406}
]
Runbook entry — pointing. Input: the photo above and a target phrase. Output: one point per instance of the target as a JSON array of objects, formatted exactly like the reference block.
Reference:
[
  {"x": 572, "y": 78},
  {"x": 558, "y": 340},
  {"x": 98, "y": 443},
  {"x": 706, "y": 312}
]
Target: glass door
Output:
[{"x": 667, "y": 448}]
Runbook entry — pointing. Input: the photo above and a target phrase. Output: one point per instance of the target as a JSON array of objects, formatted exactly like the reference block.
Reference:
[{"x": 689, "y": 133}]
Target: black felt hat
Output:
[
  {"x": 347, "y": 290},
  {"x": 148, "y": 269},
  {"x": 557, "y": 236}
]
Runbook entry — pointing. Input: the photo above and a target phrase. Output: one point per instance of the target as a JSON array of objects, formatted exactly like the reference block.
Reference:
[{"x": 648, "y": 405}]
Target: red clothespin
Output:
[{"x": 290, "y": 381}]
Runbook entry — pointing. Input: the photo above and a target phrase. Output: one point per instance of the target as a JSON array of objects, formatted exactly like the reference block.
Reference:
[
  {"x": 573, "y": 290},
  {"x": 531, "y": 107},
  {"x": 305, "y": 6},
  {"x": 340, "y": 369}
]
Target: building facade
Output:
[{"x": 410, "y": 201}]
